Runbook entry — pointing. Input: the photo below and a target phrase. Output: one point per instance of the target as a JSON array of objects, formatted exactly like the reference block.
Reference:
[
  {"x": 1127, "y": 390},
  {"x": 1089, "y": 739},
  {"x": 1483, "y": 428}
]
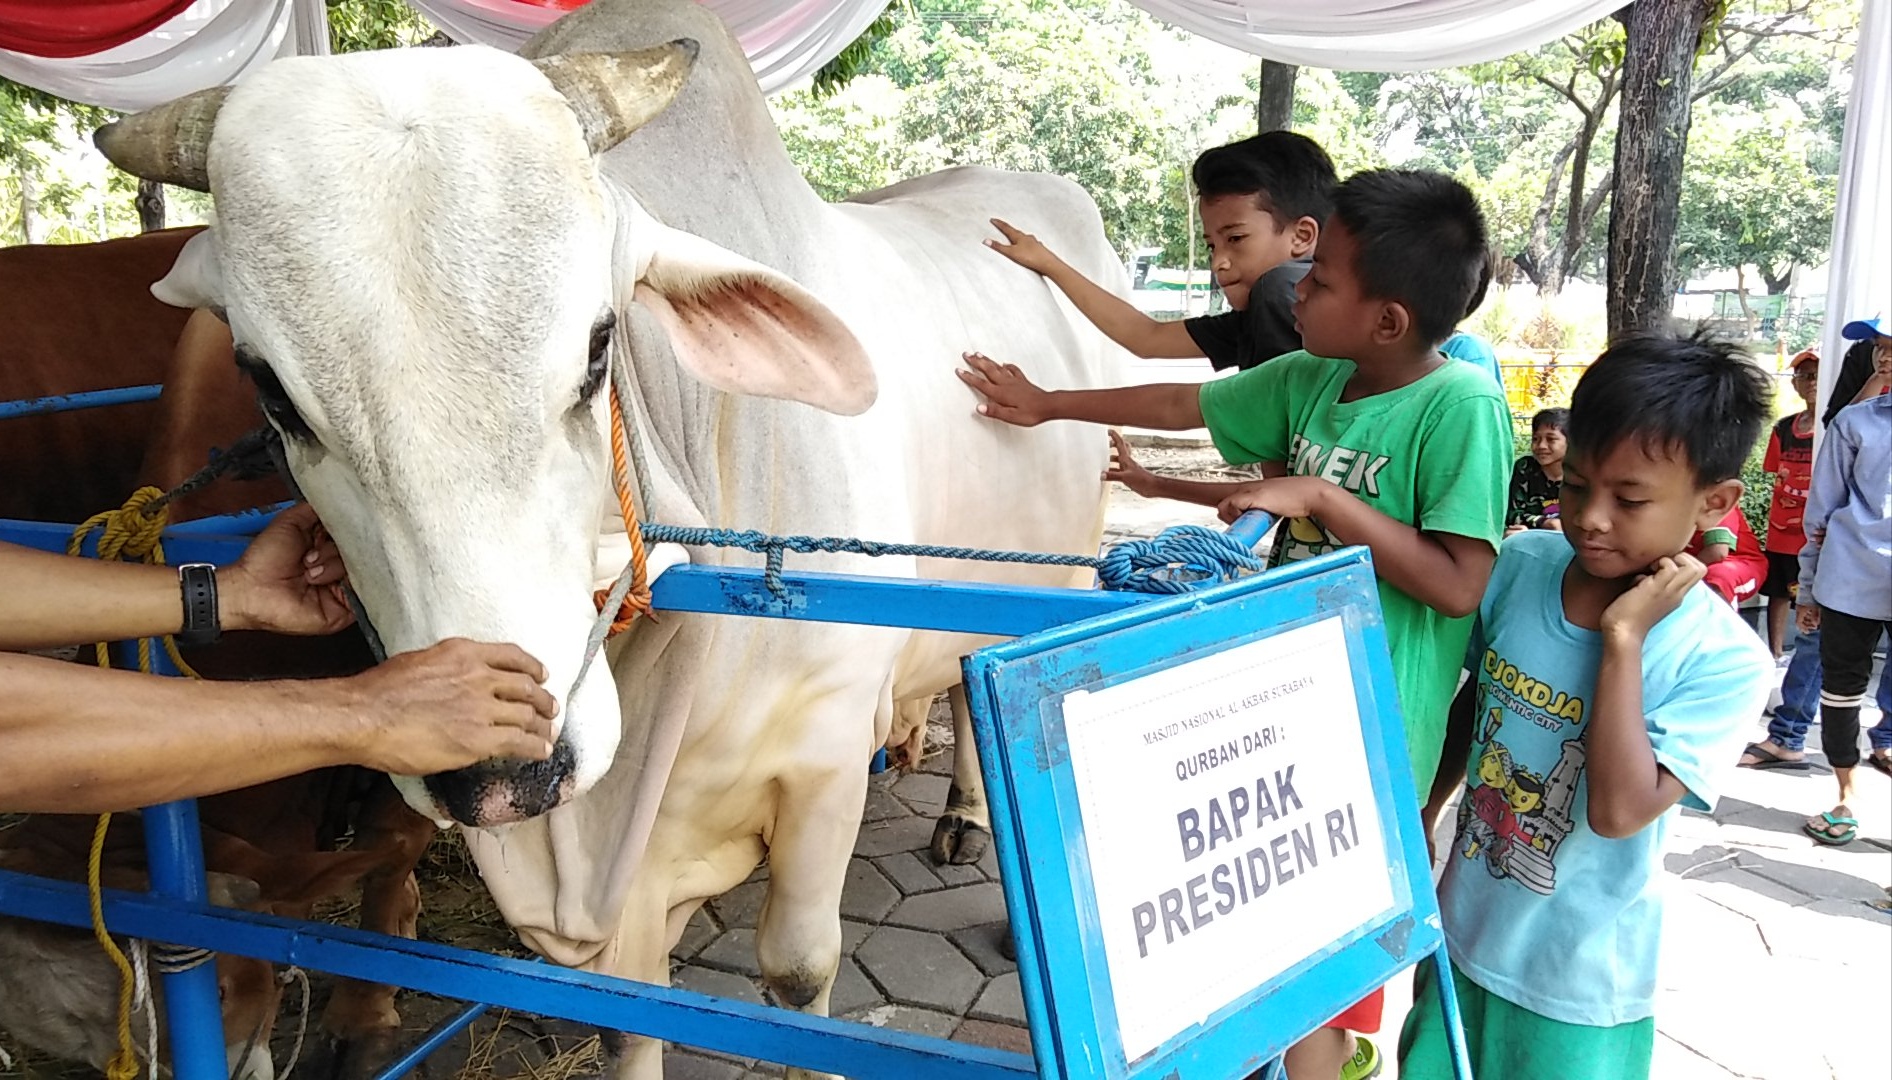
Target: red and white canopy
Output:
[{"x": 132, "y": 54}]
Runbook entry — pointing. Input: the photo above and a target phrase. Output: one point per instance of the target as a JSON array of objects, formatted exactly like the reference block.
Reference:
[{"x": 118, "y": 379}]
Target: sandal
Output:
[
  {"x": 1771, "y": 760},
  {"x": 1364, "y": 1063},
  {"x": 1849, "y": 829},
  {"x": 1881, "y": 762}
]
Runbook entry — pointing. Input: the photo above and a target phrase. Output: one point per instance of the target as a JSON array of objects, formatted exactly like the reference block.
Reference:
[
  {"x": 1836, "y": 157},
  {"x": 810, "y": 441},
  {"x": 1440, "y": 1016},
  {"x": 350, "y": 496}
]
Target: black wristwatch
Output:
[{"x": 198, "y": 583}]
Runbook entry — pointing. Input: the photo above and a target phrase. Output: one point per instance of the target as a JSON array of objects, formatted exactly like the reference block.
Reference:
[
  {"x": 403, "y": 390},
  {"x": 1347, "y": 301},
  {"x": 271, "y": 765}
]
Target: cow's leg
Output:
[
  {"x": 641, "y": 952},
  {"x": 965, "y": 829},
  {"x": 906, "y": 743},
  {"x": 798, "y": 936},
  {"x": 361, "y": 1017}
]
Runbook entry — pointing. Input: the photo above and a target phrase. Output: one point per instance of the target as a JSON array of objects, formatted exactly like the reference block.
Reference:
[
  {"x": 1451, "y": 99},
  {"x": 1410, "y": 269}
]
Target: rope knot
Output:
[{"x": 131, "y": 533}]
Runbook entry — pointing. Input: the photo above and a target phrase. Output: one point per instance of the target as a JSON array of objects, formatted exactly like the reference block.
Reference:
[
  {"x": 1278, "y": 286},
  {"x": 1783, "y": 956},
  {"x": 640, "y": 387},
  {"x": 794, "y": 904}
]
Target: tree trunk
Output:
[
  {"x": 1747, "y": 309},
  {"x": 1777, "y": 280},
  {"x": 29, "y": 200},
  {"x": 1275, "y": 110},
  {"x": 1651, "y": 140},
  {"x": 150, "y": 203}
]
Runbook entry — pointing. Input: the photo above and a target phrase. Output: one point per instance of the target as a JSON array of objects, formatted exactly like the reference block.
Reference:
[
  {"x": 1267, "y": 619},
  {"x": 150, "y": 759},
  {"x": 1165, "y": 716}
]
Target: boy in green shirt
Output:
[{"x": 1388, "y": 444}]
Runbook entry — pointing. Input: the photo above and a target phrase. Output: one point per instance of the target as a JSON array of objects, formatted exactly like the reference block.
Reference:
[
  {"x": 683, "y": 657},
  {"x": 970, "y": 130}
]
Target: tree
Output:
[{"x": 1275, "y": 104}]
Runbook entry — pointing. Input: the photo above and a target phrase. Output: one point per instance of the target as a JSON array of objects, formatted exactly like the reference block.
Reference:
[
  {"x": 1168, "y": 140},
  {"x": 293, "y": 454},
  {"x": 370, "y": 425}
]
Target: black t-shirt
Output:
[{"x": 1259, "y": 332}]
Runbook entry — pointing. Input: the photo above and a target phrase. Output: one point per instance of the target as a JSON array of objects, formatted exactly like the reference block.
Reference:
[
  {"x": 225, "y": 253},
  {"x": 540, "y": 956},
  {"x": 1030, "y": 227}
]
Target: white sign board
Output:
[{"x": 1230, "y": 823}]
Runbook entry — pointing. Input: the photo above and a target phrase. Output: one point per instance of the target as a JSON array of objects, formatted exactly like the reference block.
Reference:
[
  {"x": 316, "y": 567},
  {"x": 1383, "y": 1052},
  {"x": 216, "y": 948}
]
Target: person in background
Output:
[
  {"x": 1865, "y": 371},
  {"x": 1469, "y": 347},
  {"x": 1537, "y": 478},
  {"x": 1732, "y": 553},
  {"x": 1263, "y": 202},
  {"x": 1790, "y": 461},
  {"x": 1846, "y": 593}
]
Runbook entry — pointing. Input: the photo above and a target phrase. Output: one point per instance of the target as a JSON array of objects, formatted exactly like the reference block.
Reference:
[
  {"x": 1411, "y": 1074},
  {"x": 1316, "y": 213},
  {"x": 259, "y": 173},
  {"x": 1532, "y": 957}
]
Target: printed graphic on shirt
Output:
[
  {"x": 1512, "y": 815},
  {"x": 1356, "y": 471}
]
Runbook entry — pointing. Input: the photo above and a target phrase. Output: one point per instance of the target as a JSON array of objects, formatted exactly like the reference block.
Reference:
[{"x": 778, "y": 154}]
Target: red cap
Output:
[{"x": 1805, "y": 356}]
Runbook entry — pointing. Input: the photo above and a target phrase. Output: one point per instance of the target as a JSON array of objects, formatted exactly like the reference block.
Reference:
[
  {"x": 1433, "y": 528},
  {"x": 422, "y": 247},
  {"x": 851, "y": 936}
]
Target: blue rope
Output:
[{"x": 1181, "y": 558}]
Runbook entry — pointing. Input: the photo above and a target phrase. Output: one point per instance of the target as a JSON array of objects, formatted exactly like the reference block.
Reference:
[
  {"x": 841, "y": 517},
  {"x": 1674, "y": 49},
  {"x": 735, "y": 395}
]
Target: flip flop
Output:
[
  {"x": 1883, "y": 764},
  {"x": 1825, "y": 836},
  {"x": 1771, "y": 760}
]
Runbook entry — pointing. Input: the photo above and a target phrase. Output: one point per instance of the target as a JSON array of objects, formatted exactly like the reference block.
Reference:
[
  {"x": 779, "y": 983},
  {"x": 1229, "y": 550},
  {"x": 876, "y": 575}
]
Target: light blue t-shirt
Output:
[
  {"x": 1539, "y": 909},
  {"x": 1475, "y": 351}
]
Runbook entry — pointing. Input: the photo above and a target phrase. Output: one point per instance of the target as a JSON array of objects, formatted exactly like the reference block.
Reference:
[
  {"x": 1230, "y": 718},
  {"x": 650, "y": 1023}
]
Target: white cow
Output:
[{"x": 428, "y": 256}]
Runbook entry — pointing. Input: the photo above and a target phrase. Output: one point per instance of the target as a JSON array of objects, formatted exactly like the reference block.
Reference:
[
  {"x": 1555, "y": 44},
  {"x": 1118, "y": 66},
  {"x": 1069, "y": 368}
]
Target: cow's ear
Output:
[
  {"x": 744, "y": 328},
  {"x": 196, "y": 279}
]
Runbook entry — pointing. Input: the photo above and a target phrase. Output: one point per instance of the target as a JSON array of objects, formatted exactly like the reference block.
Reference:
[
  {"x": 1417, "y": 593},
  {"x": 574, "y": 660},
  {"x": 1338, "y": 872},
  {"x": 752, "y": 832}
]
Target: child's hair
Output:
[
  {"x": 1551, "y": 418},
  {"x": 1420, "y": 240},
  {"x": 1699, "y": 397},
  {"x": 1291, "y": 176}
]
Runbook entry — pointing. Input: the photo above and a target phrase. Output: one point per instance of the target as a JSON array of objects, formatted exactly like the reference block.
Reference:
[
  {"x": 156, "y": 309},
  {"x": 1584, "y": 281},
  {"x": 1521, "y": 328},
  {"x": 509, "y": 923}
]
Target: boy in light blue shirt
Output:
[{"x": 1609, "y": 685}]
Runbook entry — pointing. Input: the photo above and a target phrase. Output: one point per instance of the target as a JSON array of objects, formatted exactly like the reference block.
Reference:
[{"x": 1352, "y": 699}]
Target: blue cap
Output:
[{"x": 1863, "y": 329}]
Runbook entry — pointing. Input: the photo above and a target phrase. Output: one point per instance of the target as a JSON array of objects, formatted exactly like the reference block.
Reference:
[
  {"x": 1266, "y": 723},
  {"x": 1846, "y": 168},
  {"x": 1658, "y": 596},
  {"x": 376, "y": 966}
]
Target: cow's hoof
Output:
[{"x": 958, "y": 840}]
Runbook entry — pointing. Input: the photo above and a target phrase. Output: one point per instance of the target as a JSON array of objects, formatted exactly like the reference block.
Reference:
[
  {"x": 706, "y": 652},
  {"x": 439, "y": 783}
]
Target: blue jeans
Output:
[{"x": 1800, "y": 700}]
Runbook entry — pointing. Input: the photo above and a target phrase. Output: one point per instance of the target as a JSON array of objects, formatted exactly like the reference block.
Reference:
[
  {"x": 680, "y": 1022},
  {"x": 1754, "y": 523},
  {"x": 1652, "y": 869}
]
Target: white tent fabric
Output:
[
  {"x": 1859, "y": 273},
  {"x": 1380, "y": 35},
  {"x": 784, "y": 42},
  {"x": 212, "y": 43}
]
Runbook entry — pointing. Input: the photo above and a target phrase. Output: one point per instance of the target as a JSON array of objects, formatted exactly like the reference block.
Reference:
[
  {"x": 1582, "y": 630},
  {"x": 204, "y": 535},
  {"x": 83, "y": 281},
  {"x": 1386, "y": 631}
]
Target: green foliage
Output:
[
  {"x": 852, "y": 61},
  {"x": 1759, "y": 493},
  {"x": 363, "y": 25}
]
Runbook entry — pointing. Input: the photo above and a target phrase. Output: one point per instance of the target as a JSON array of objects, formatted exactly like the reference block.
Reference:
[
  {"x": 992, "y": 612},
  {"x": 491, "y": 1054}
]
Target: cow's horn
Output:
[
  {"x": 170, "y": 143},
  {"x": 616, "y": 93}
]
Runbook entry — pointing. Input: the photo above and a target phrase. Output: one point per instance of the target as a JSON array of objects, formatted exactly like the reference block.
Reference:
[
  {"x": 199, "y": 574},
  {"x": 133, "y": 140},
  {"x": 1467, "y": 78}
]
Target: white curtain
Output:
[
  {"x": 212, "y": 43},
  {"x": 1859, "y": 271},
  {"x": 784, "y": 42},
  {"x": 1380, "y": 35}
]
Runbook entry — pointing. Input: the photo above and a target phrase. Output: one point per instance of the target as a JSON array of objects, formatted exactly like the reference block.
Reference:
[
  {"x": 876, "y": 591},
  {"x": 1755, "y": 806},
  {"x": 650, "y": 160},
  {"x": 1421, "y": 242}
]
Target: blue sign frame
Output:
[{"x": 1015, "y": 690}]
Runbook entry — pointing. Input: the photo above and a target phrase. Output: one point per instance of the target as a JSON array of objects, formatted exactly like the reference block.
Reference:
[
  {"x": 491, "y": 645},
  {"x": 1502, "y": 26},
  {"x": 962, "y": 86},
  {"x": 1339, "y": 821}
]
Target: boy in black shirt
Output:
[{"x": 1262, "y": 202}]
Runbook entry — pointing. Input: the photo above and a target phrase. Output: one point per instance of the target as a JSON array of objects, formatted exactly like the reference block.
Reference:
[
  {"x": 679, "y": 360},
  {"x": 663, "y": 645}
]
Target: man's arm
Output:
[
  {"x": 78, "y": 739},
  {"x": 1011, "y": 397},
  {"x": 1452, "y": 755},
  {"x": 1444, "y": 571},
  {"x": 1118, "y": 319},
  {"x": 285, "y": 581}
]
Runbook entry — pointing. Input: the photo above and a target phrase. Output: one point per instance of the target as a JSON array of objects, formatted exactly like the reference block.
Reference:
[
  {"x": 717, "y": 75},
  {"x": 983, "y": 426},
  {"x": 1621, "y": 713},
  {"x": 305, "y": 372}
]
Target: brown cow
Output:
[
  {"x": 58, "y": 989},
  {"x": 88, "y": 322}
]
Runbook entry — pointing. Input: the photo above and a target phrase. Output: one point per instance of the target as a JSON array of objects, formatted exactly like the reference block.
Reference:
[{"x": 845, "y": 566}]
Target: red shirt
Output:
[
  {"x": 1745, "y": 546},
  {"x": 1790, "y": 460}
]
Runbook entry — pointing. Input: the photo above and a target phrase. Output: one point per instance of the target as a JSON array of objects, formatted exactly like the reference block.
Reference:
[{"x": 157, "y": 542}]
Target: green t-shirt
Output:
[{"x": 1435, "y": 455}]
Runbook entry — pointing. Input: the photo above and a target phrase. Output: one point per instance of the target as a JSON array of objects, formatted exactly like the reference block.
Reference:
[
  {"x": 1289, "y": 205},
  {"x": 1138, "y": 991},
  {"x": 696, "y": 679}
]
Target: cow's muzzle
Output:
[{"x": 502, "y": 792}]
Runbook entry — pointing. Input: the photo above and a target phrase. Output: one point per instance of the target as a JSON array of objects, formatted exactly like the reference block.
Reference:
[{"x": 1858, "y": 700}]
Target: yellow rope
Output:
[
  {"x": 132, "y": 533},
  {"x": 124, "y": 1063}
]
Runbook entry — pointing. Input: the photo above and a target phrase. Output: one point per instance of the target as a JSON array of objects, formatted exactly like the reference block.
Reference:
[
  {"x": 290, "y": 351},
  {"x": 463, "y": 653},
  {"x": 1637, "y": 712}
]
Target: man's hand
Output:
[
  {"x": 1653, "y": 597},
  {"x": 1125, "y": 470},
  {"x": 288, "y": 581},
  {"x": 1712, "y": 554},
  {"x": 1807, "y": 616},
  {"x": 450, "y": 706},
  {"x": 1023, "y": 248},
  {"x": 1287, "y": 497},
  {"x": 1009, "y": 396}
]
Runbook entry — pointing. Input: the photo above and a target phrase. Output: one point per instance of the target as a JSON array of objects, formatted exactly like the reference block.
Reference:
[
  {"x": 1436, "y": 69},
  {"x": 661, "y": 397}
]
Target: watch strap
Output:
[{"x": 198, "y": 584}]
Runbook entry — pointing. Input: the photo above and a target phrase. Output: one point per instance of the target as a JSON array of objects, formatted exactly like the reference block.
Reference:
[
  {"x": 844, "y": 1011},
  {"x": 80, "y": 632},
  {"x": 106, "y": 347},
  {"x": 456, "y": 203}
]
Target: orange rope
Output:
[{"x": 637, "y": 601}]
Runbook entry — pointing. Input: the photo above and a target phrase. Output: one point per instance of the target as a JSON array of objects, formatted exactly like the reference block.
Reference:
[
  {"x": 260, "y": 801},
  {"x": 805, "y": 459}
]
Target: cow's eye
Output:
[
  {"x": 598, "y": 362},
  {"x": 274, "y": 400}
]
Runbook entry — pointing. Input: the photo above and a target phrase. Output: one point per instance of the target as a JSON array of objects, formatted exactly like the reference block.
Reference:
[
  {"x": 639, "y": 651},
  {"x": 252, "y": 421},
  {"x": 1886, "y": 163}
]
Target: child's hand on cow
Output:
[
  {"x": 1009, "y": 396},
  {"x": 1023, "y": 248},
  {"x": 1125, "y": 470},
  {"x": 289, "y": 580},
  {"x": 1285, "y": 497},
  {"x": 449, "y": 706},
  {"x": 1653, "y": 597}
]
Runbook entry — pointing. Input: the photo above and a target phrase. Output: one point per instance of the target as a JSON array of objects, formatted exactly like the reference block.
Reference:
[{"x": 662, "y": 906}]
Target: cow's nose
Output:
[{"x": 504, "y": 792}]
